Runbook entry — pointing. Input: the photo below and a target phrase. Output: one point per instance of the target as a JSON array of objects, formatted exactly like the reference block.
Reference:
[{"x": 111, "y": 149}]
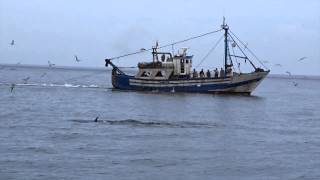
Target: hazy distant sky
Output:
[{"x": 279, "y": 31}]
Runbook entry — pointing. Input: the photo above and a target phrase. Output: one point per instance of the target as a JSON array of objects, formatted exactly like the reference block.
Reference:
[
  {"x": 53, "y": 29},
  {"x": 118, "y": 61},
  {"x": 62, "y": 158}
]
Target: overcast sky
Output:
[{"x": 278, "y": 31}]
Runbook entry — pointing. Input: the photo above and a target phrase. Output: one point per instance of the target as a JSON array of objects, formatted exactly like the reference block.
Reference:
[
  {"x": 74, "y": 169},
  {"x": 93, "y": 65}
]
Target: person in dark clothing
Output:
[
  {"x": 216, "y": 73},
  {"x": 222, "y": 73},
  {"x": 163, "y": 58},
  {"x": 201, "y": 73},
  {"x": 208, "y": 74},
  {"x": 195, "y": 73}
]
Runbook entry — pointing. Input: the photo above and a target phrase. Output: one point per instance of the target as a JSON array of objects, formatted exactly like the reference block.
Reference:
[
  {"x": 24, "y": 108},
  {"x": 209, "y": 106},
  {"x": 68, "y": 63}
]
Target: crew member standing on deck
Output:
[
  {"x": 194, "y": 74},
  {"x": 216, "y": 73},
  {"x": 163, "y": 58},
  {"x": 202, "y": 73},
  {"x": 222, "y": 73},
  {"x": 208, "y": 74}
]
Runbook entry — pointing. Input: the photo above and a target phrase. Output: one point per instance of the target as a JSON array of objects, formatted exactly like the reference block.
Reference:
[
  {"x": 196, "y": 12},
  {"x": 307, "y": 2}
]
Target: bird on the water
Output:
[{"x": 12, "y": 87}]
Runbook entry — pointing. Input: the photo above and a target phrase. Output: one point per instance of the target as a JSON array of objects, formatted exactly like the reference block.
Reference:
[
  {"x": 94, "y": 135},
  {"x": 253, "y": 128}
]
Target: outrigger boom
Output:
[{"x": 172, "y": 73}]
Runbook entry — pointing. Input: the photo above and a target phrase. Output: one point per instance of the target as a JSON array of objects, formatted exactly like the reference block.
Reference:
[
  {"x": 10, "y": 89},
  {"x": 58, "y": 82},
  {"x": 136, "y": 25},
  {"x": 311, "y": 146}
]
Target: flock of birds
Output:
[
  {"x": 50, "y": 65},
  {"x": 288, "y": 72}
]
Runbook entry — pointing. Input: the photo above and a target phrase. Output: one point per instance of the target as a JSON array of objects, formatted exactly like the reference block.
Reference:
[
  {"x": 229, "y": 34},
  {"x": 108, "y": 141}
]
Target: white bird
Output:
[
  {"x": 303, "y": 58},
  {"x": 51, "y": 64},
  {"x": 292, "y": 78},
  {"x": 25, "y": 80},
  {"x": 278, "y": 65},
  {"x": 76, "y": 58},
  {"x": 12, "y": 43}
]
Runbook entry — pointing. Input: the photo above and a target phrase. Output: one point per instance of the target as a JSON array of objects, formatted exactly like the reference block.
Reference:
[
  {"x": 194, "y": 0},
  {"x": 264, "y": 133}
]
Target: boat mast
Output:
[{"x": 226, "y": 28}]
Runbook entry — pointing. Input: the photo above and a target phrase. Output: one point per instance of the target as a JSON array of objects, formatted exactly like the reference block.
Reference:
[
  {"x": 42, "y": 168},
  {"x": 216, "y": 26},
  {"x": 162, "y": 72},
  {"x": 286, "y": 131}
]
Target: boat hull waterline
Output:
[{"x": 241, "y": 83}]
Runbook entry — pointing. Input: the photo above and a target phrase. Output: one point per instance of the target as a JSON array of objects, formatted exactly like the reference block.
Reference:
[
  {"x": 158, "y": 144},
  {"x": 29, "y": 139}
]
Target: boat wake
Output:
[
  {"x": 66, "y": 85},
  {"x": 138, "y": 123}
]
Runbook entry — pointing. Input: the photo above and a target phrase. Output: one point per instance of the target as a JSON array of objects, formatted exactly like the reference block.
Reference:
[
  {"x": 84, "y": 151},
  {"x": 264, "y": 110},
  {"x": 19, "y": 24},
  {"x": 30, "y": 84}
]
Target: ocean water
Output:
[{"x": 47, "y": 130}]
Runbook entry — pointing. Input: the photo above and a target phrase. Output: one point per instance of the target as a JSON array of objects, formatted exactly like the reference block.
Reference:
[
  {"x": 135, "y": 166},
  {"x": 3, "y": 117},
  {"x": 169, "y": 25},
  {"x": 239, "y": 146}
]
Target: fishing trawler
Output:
[{"x": 172, "y": 72}]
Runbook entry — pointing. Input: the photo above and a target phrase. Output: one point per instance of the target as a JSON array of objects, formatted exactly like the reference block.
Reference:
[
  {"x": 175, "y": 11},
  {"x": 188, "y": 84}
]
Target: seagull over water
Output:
[
  {"x": 289, "y": 73},
  {"x": 25, "y": 80},
  {"x": 51, "y": 64},
  {"x": 12, "y": 43},
  {"x": 76, "y": 58},
  {"x": 44, "y": 74},
  {"x": 292, "y": 78},
  {"x": 303, "y": 58},
  {"x": 246, "y": 46}
]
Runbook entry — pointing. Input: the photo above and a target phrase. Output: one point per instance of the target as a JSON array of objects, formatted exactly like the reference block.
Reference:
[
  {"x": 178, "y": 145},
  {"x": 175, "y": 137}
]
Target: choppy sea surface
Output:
[{"x": 47, "y": 130}]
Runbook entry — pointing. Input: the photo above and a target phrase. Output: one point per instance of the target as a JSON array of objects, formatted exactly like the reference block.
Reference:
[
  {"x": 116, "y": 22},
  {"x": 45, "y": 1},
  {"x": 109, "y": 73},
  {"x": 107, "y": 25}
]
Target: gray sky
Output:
[{"x": 279, "y": 31}]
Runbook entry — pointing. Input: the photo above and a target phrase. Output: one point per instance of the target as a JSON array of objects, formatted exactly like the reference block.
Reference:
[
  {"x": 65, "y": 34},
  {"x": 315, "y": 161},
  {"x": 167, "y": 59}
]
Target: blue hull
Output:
[{"x": 199, "y": 85}]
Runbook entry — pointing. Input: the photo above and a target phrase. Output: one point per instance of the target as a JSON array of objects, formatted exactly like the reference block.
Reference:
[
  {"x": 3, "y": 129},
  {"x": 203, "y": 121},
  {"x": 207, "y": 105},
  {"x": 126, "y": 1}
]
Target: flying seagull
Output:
[
  {"x": 12, "y": 43},
  {"x": 289, "y": 73},
  {"x": 278, "y": 65},
  {"x": 246, "y": 46},
  {"x": 12, "y": 87},
  {"x": 292, "y": 78},
  {"x": 303, "y": 58},
  {"x": 51, "y": 64},
  {"x": 25, "y": 80},
  {"x": 44, "y": 74},
  {"x": 76, "y": 58}
]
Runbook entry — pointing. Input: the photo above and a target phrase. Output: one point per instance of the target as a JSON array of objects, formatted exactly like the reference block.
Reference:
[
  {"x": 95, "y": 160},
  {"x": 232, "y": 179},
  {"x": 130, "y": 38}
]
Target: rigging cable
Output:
[
  {"x": 248, "y": 49},
  {"x": 210, "y": 51},
  {"x": 238, "y": 65},
  {"x": 245, "y": 56},
  {"x": 167, "y": 45}
]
